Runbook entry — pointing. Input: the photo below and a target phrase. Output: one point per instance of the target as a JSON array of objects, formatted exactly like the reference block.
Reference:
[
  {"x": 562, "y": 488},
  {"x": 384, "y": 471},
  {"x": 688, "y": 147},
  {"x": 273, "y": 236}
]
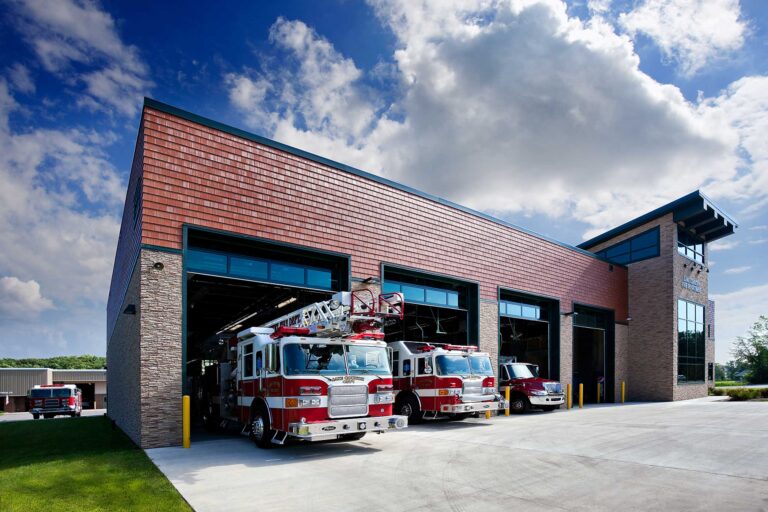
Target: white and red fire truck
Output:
[
  {"x": 51, "y": 400},
  {"x": 321, "y": 372},
  {"x": 434, "y": 380}
]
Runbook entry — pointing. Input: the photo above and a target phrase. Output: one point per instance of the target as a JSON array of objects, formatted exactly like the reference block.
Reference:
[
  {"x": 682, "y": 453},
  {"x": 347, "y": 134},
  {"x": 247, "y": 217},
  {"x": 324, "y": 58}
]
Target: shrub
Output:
[
  {"x": 742, "y": 394},
  {"x": 724, "y": 383},
  {"x": 716, "y": 392}
]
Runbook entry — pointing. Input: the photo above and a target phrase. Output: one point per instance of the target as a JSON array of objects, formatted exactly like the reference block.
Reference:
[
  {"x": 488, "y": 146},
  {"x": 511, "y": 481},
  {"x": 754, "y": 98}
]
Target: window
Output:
[
  {"x": 690, "y": 342},
  {"x": 639, "y": 247},
  {"x": 423, "y": 294},
  {"x": 248, "y": 360},
  {"x": 258, "y": 269},
  {"x": 520, "y": 310},
  {"x": 396, "y": 364},
  {"x": 422, "y": 366},
  {"x": 690, "y": 246}
]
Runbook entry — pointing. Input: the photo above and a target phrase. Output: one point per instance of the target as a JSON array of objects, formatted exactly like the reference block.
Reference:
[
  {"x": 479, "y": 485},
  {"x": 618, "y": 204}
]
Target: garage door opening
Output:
[
  {"x": 437, "y": 309},
  {"x": 233, "y": 283},
  {"x": 528, "y": 328},
  {"x": 593, "y": 351}
]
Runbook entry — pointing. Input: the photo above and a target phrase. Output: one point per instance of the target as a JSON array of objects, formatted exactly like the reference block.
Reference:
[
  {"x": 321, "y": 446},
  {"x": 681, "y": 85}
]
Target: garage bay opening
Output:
[
  {"x": 233, "y": 283},
  {"x": 593, "y": 354}
]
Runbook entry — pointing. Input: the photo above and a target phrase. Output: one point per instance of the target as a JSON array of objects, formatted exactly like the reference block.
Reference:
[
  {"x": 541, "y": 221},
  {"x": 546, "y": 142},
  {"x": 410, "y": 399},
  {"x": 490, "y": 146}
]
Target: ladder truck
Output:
[
  {"x": 434, "y": 380},
  {"x": 321, "y": 372}
]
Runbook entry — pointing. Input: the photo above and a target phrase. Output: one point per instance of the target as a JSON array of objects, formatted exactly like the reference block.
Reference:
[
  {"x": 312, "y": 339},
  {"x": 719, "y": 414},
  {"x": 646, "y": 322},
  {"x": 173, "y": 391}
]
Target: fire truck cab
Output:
[
  {"x": 319, "y": 373},
  {"x": 51, "y": 400},
  {"x": 435, "y": 380}
]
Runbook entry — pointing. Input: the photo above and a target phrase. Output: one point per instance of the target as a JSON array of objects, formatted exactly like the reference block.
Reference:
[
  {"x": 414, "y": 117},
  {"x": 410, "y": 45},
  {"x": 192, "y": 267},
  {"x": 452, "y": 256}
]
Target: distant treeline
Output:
[{"x": 57, "y": 363}]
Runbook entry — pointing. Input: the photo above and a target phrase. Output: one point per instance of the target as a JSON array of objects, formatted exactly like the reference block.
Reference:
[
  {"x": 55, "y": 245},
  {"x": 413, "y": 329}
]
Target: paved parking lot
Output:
[
  {"x": 23, "y": 416},
  {"x": 706, "y": 454}
]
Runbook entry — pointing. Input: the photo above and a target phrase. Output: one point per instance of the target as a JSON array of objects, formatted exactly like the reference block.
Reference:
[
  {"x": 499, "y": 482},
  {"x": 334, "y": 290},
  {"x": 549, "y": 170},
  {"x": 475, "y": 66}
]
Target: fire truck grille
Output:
[
  {"x": 51, "y": 402},
  {"x": 473, "y": 391},
  {"x": 347, "y": 401}
]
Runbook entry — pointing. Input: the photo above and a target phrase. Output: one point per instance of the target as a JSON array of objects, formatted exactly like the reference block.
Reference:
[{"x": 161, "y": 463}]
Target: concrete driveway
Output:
[
  {"x": 706, "y": 454},
  {"x": 23, "y": 416}
]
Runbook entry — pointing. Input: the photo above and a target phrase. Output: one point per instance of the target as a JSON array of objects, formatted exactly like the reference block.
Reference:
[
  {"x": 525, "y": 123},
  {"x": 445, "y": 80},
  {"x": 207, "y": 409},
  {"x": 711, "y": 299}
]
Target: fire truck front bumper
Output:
[
  {"x": 550, "y": 399},
  {"x": 52, "y": 410},
  {"x": 472, "y": 407},
  {"x": 325, "y": 429}
]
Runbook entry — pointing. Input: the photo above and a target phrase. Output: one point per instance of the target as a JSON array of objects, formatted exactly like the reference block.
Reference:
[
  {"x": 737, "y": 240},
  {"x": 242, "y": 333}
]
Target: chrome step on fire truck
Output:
[
  {"x": 434, "y": 380},
  {"x": 321, "y": 372}
]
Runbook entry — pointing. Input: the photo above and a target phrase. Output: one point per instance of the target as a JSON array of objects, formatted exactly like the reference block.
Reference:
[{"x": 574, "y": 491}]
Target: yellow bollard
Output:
[
  {"x": 185, "y": 420},
  {"x": 568, "y": 397},
  {"x": 487, "y": 415},
  {"x": 581, "y": 396},
  {"x": 622, "y": 391},
  {"x": 598, "y": 392},
  {"x": 506, "y": 396}
]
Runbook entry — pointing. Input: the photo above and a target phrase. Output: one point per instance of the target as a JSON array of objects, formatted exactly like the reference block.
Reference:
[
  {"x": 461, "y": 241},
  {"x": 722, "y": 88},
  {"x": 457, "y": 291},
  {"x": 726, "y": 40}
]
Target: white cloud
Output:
[
  {"x": 723, "y": 245},
  {"x": 21, "y": 78},
  {"x": 66, "y": 33},
  {"x": 21, "y": 299},
  {"x": 737, "y": 270},
  {"x": 691, "y": 32},
  {"x": 497, "y": 100},
  {"x": 759, "y": 241},
  {"x": 735, "y": 312},
  {"x": 59, "y": 204},
  {"x": 758, "y": 228}
]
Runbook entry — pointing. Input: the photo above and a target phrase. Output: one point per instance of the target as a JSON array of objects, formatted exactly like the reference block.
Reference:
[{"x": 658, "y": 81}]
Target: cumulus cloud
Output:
[
  {"x": 723, "y": 245},
  {"x": 21, "y": 299},
  {"x": 66, "y": 33},
  {"x": 495, "y": 100},
  {"x": 737, "y": 270},
  {"x": 59, "y": 202},
  {"x": 691, "y": 32}
]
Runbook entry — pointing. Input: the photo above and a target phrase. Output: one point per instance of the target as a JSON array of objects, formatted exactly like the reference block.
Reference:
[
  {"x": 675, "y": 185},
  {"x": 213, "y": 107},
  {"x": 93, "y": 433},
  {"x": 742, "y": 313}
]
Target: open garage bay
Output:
[{"x": 705, "y": 454}]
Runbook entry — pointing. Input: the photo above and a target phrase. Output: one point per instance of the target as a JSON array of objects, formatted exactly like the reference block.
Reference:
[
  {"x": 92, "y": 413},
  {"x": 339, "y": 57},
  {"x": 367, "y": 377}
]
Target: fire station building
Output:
[{"x": 223, "y": 229}]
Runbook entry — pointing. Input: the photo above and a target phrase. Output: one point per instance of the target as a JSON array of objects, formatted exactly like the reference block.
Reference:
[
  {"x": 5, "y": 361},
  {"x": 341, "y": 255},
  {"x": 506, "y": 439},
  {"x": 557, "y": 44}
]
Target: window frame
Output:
[
  {"x": 688, "y": 338},
  {"x": 683, "y": 248},
  {"x": 603, "y": 253},
  {"x": 245, "y": 355}
]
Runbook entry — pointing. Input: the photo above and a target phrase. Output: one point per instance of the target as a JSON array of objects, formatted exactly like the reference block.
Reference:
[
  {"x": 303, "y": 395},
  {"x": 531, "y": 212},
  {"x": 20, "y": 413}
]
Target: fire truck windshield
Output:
[
  {"x": 361, "y": 359},
  {"x": 452, "y": 365},
  {"x": 328, "y": 359},
  {"x": 50, "y": 392},
  {"x": 481, "y": 365}
]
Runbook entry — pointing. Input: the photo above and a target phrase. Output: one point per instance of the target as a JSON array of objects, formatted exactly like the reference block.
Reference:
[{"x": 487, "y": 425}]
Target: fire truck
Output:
[
  {"x": 321, "y": 372},
  {"x": 434, "y": 380},
  {"x": 51, "y": 400}
]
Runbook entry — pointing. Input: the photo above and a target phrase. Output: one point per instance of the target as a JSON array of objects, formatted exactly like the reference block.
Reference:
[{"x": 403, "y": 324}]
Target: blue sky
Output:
[{"x": 566, "y": 118}]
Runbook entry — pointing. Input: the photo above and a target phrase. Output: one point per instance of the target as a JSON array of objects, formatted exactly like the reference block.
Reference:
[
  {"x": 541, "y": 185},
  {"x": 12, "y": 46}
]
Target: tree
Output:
[
  {"x": 720, "y": 372},
  {"x": 57, "y": 363},
  {"x": 752, "y": 351}
]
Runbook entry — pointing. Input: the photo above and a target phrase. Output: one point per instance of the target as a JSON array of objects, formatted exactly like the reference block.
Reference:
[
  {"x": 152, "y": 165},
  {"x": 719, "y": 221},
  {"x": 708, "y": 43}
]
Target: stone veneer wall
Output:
[
  {"x": 161, "y": 355},
  {"x": 489, "y": 331},
  {"x": 124, "y": 363}
]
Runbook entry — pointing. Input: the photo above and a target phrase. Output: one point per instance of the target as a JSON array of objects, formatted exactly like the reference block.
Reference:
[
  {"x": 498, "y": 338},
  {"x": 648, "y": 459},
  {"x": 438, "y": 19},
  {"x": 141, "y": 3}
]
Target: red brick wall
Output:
[{"x": 198, "y": 175}]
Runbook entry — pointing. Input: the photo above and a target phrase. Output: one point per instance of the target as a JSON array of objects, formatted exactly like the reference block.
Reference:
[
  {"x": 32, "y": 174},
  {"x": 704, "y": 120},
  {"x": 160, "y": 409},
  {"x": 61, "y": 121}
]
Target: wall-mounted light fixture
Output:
[
  {"x": 130, "y": 309},
  {"x": 158, "y": 266},
  {"x": 371, "y": 279},
  {"x": 571, "y": 313},
  {"x": 629, "y": 319}
]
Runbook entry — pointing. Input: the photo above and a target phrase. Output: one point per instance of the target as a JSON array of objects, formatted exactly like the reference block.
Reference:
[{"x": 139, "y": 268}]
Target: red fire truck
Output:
[
  {"x": 51, "y": 400},
  {"x": 435, "y": 380},
  {"x": 321, "y": 372}
]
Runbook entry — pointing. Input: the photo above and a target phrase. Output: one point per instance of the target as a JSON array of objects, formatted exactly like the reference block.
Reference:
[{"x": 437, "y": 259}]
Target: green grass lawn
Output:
[
  {"x": 78, "y": 464},
  {"x": 728, "y": 383}
]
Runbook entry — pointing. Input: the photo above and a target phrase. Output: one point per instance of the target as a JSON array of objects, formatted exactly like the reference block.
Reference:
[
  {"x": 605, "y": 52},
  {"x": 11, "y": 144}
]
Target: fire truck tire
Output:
[
  {"x": 260, "y": 433},
  {"x": 409, "y": 406},
  {"x": 36, "y": 416},
  {"x": 519, "y": 404},
  {"x": 352, "y": 437}
]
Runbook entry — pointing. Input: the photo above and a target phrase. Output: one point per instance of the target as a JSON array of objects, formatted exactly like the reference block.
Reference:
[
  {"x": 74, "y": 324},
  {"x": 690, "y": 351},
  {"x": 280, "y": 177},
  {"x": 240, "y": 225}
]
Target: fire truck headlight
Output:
[
  {"x": 489, "y": 391},
  {"x": 308, "y": 402},
  {"x": 385, "y": 398},
  {"x": 538, "y": 392}
]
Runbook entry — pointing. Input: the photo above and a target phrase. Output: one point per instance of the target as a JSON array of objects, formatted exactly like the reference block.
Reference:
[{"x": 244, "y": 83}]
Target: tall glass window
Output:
[
  {"x": 691, "y": 349},
  {"x": 690, "y": 246}
]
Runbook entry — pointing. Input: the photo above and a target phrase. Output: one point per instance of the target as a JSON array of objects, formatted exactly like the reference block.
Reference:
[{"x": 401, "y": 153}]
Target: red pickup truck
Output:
[
  {"x": 528, "y": 390},
  {"x": 53, "y": 400}
]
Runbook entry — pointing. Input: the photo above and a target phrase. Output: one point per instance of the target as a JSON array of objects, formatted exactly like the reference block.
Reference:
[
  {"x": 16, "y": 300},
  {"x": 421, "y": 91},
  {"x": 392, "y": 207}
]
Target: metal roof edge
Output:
[
  {"x": 654, "y": 214},
  {"x": 196, "y": 118}
]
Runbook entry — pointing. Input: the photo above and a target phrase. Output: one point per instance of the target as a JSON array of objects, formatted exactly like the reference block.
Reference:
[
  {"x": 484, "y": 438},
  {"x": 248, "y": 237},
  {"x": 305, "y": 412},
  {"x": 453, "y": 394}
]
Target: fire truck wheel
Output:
[
  {"x": 519, "y": 404},
  {"x": 36, "y": 416},
  {"x": 409, "y": 406},
  {"x": 260, "y": 432},
  {"x": 351, "y": 437}
]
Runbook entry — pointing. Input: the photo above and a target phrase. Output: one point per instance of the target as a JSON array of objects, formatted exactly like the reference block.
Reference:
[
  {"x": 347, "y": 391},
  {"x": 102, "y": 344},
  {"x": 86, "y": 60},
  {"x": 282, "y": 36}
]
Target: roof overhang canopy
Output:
[
  {"x": 702, "y": 218},
  {"x": 695, "y": 213}
]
